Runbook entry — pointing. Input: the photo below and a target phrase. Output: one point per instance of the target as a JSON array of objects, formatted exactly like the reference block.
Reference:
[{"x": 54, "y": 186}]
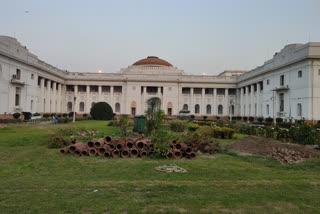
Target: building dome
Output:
[{"x": 153, "y": 61}]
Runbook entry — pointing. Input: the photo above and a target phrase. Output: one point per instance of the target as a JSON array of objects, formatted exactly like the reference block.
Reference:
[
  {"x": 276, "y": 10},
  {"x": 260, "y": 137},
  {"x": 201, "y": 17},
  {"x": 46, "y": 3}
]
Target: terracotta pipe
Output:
[
  {"x": 112, "y": 146},
  {"x": 177, "y": 146},
  {"x": 103, "y": 149},
  {"x": 75, "y": 146},
  {"x": 99, "y": 143},
  {"x": 169, "y": 155},
  {"x": 177, "y": 154},
  {"x": 129, "y": 144},
  {"x": 184, "y": 155},
  {"x": 125, "y": 153},
  {"x": 92, "y": 152},
  {"x": 174, "y": 142},
  {"x": 65, "y": 150},
  {"x": 115, "y": 154},
  {"x": 107, "y": 154},
  {"x": 74, "y": 141},
  {"x": 91, "y": 143},
  {"x": 185, "y": 148},
  {"x": 85, "y": 152},
  {"x": 108, "y": 139},
  {"x": 192, "y": 156},
  {"x": 120, "y": 146},
  {"x": 134, "y": 153},
  {"x": 143, "y": 153},
  {"x": 141, "y": 144}
]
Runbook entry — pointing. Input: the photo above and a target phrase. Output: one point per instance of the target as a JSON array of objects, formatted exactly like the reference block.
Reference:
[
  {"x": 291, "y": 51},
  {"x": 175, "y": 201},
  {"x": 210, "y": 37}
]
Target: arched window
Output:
[
  {"x": 69, "y": 106},
  {"x": 232, "y": 110},
  {"x": 220, "y": 109},
  {"x": 185, "y": 107},
  {"x": 197, "y": 109},
  {"x": 117, "y": 107},
  {"x": 81, "y": 107},
  {"x": 92, "y": 104},
  {"x": 208, "y": 109}
]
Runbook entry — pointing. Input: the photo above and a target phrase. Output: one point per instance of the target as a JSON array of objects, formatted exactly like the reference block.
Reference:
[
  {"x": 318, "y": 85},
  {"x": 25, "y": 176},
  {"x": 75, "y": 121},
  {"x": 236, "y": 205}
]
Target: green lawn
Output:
[{"x": 35, "y": 179}]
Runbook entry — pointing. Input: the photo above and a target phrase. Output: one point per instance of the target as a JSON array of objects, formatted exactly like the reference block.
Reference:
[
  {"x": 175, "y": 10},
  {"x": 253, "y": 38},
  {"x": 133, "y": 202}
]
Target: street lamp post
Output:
[{"x": 74, "y": 109}]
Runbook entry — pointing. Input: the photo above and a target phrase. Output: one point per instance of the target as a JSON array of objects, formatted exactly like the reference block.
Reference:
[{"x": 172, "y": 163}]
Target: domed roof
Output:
[{"x": 153, "y": 60}]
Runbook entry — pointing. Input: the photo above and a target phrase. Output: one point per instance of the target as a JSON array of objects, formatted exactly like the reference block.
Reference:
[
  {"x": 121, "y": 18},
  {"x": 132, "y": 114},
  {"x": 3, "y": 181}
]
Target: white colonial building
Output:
[{"x": 286, "y": 86}]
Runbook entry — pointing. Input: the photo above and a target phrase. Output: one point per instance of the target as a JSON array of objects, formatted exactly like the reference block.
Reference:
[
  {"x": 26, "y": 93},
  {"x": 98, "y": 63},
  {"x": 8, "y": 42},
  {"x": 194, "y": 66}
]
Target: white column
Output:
[
  {"x": 100, "y": 94},
  {"x": 41, "y": 109},
  {"x": 76, "y": 109},
  {"x": 64, "y": 99},
  {"x": 48, "y": 96},
  {"x": 252, "y": 101},
  {"x": 59, "y": 99},
  {"x": 202, "y": 107},
  {"x": 241, "y": 101},
  {"x": 88, "y": 103},
  {"x": 54, "y": 97},
  {"x": 258, "y": 99},
  {"x": 111, "y": 96},
  {"x": 226, "y": 102},
  {"x": 215, "y": 108},
  {"x": 192, "y": 111},
  {"x": 247, "y": 101}
]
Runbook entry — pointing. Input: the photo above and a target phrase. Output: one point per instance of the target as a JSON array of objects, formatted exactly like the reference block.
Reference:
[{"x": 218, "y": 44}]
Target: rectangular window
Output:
[
  {"x": 18, "y": 74},
  {"x": 299, "y": 109},
  {"x": 17, "y": 97},
  {"x": 268, "y": 82},
  {"x": 32, "y": 76},
  {"x": 281, "y": 99},
  {"x": 299, "y": 74},
  {"x": 281, "y": 80},
  {"x": 319, "y": 72},
  {"x": 268, "y": 110}
]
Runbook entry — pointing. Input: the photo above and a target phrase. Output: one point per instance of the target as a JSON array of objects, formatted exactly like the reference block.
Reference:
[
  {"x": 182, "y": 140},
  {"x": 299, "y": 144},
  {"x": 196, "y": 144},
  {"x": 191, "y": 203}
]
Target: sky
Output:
[{"x": 198, "y": 36}]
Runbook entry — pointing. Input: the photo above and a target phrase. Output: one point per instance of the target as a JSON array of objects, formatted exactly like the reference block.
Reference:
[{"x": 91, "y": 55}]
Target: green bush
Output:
[
  {"x": 70, "y": 114},
  {"x": 239, "y": 117},
  {"x": 16, "y": 115},
  {"x": 193, "y": 127},
  {"x": 27, "y": 115},
  {"x": 177, "y": 125},
  {"x": 36, "y": 114},
  {"x": 245, "y": 118},
  {"x": 84, "y": 115},
  {"x": 269, "y": 119},
  {"x": 192, "y": 117},
  {"x": 304, "y": 133},
  {"x": 46, "y": 115},
  {"x": 251, "y": 119},
  {"x": 56, "y": 140},
  {"x": 64, "y": 115},
  {"x": 204, "y": 117},
  {"x": 260, "y": 119},
  {"x": 279, "y": 120},
  {"x": 101, "y": 111}
]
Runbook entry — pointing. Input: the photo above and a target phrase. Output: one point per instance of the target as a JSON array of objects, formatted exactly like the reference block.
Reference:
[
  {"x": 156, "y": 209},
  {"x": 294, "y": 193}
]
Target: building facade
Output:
[{"x": 286, "y": 86}]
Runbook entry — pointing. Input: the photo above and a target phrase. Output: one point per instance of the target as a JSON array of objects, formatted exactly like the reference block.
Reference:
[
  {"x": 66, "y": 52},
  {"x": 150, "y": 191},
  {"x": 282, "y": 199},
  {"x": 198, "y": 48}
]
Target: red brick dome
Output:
[{"x": 153, "y": 61}]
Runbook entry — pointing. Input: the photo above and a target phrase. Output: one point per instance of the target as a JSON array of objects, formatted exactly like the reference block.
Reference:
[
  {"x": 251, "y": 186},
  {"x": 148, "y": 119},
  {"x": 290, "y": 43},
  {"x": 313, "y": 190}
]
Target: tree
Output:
[
  {"x": 101, "y": 111},
  {"x": 153, "y": 113}
]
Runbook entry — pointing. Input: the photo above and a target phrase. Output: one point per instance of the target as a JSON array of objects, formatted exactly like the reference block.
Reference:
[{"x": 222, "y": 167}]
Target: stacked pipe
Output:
[
  {"x": 110, "y": 147},
  {"x": 180, "y": 150}
]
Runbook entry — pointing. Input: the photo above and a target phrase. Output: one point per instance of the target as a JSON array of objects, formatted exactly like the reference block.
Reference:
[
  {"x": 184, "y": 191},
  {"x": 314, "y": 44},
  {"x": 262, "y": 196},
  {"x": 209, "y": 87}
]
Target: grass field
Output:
[{"x": 34, "y": 179}]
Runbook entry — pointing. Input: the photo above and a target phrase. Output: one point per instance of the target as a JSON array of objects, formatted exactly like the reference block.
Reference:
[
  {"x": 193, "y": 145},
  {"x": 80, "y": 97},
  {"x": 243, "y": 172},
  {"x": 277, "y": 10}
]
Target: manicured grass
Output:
[{"x": 35, "y": 179}]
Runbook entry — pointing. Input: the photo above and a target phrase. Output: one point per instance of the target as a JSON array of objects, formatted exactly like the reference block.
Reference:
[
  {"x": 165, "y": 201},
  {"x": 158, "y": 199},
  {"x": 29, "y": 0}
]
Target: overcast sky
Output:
[{"x": 194, "y": 35}]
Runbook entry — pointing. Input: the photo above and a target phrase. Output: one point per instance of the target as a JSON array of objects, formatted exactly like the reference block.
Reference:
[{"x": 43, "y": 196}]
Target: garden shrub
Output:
[
  {"x": 114, "y": 123},
  {"x": 269, "y": 119},
  {"x": 286, "y": 125},
  {"x": 260, "y": 119},
  {"x": 177, "y": 125},
  {"x": 64, "y": 115},
  {"x": 279, "y": 120},
  {"x": 193, "y": 127},
  {"x": 192, "y": 117},
  {"x": 204, "y": 117},
  {"x": 282, "y": 133},
  {"x": 59, "y": 115},
  {"x": 305, "y": 133},
  {"x": 27, "y": 115},
  {"x": 36, "y": 114},
  {"x": 123, "y": 123},
  {"x": 16, "y": 115},
  {"x": 70, "y": 114},
  {"x": 245, "y": 118},
  {"x": 234, "y": 118},
  {"x": 161, "y": 140},
  {"x": 46, "y": 115},
  {"x": 84, "y": 115},
  {"x": 101, "y": 111},
  {"x": 251, "y": 119},
  {"x": 239, "y": 117},
  {"x": 223, "y": 132}
]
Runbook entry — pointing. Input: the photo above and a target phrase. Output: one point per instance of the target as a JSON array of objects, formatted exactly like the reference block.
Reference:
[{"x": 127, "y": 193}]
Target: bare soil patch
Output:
[{"x": 284, "y": 152}]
